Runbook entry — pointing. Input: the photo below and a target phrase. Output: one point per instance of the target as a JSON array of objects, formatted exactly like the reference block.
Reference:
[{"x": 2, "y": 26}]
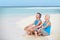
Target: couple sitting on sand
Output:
[{"x": 38, "y": 28}]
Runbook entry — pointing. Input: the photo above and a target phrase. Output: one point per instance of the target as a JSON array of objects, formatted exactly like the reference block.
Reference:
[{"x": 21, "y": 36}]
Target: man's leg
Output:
[{"x": 43, "y": 32}]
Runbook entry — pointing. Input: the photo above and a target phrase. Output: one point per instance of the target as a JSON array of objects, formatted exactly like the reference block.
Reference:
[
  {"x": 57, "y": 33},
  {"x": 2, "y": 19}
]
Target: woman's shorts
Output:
[{"x": 36, "y": 29}]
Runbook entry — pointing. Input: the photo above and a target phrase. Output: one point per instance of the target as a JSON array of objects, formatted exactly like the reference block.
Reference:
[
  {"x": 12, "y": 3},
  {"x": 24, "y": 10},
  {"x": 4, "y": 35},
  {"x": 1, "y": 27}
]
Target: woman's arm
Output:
[{"x": 39, "y": 24}]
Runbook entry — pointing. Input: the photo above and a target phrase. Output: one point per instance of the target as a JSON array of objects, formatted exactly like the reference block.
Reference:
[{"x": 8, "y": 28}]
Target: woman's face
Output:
[{"x": 37, "y": 16}]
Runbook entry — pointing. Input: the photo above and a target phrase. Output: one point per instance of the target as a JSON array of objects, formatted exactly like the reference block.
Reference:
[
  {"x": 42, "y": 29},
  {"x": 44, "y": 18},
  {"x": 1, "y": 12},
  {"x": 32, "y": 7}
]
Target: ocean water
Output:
[{"x": 21, "y": 11}]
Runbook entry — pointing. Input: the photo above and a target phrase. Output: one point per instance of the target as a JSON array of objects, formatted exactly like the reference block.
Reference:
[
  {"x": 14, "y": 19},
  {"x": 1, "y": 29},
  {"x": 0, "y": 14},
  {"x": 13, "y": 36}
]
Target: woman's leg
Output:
[
  {"x": 29, "y": 31},
  {"x": 36, "y": 34},
  {"x": 27, "y": 27},
  {"x": 39, "y": 32}
]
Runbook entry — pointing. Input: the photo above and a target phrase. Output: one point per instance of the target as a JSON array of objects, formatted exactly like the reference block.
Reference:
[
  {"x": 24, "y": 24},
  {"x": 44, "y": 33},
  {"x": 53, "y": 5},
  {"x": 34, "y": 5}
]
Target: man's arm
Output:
[{"x": 47, "y": 25}]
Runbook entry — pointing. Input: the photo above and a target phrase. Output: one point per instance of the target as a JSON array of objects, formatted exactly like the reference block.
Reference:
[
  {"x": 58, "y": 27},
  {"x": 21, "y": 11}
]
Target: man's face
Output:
[{"x": 46, "y": 17}]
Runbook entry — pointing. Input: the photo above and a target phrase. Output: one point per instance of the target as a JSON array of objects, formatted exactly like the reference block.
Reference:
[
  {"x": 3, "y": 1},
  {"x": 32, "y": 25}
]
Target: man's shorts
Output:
[{"x": 42, "y": 31}]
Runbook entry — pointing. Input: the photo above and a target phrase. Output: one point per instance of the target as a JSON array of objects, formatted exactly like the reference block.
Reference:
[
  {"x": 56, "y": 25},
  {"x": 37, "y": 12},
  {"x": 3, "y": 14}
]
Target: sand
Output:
[{"x": 12, "y": 28}]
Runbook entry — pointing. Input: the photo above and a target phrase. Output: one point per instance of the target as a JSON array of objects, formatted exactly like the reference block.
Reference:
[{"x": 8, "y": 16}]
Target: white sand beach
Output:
[{"x": 12, "y": 28}]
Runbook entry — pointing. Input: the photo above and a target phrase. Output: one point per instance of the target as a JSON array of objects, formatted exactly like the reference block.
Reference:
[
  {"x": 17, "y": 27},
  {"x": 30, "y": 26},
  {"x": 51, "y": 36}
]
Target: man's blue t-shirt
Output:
[{"x": 47, "y": 29}]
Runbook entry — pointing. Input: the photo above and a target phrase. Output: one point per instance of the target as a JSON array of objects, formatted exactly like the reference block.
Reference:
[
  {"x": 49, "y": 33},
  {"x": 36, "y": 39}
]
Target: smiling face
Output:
[
  {"x": 38, "y": 16},
  {"x": 47, "y": 17}
]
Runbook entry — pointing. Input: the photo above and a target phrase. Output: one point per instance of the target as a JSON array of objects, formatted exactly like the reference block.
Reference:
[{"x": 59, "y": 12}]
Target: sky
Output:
[{"x": 29, "y": 2}]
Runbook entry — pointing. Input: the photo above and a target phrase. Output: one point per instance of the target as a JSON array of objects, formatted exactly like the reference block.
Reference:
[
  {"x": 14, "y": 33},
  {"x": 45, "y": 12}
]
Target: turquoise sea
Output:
[{"x": 27, "y": 10}]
